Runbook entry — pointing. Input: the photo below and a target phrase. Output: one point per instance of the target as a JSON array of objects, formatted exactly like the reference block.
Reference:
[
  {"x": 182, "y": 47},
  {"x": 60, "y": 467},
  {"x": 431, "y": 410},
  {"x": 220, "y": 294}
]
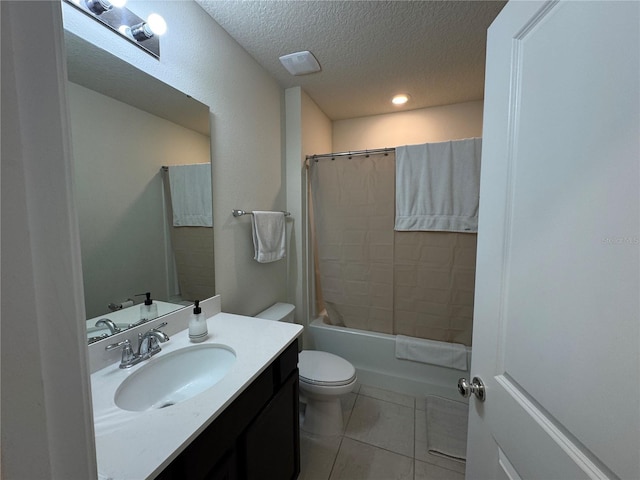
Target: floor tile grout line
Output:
[
  {"x": 346, "y": 422},
  {"x": 391, "y": 401},
  {"x": 378, "y": 447},
  {"x": 335, "y": 459},
  {"x": 344, "y": 435}
]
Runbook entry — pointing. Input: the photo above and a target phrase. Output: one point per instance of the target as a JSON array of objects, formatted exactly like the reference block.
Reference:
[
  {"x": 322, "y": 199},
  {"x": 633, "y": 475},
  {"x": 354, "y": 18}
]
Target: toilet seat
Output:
[{"x": 325, "y": 369}]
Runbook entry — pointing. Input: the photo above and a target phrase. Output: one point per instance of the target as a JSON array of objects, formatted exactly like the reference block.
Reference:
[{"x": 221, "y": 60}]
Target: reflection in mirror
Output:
[{"x": 126, "y": 126}]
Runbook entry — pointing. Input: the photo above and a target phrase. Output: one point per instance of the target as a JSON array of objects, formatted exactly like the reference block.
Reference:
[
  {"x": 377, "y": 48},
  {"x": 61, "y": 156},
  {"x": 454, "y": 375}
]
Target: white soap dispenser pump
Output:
[
  {"x": 148, "y": 310},
  {"x": 197, "y": 325}
]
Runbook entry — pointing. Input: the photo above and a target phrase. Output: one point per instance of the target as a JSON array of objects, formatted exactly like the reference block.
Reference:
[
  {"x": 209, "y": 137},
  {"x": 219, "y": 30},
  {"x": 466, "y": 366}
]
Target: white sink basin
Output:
[{"x": 171, "y": 378}]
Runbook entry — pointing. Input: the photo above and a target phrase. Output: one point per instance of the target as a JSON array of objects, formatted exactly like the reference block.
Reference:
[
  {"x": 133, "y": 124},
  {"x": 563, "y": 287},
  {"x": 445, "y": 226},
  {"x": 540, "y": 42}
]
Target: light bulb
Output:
[
  {"x": 400, "y": 99},
  {"x": 156, "y": 24}
]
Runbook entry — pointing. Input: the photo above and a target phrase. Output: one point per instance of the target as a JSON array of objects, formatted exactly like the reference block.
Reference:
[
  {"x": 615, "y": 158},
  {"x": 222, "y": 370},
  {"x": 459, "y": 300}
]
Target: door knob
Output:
[{"x": 476, "y": 387}]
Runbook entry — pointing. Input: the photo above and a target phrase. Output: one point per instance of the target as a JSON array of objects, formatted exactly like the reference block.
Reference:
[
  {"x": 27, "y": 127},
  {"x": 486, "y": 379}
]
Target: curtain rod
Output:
[
  {"x": 355, "y": 153},
  {"x": 238, "y": 213}
]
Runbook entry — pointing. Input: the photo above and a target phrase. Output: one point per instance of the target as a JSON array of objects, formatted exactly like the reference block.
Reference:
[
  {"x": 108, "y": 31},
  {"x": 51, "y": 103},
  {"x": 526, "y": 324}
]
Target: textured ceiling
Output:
[{"x": 368, "y": 50}]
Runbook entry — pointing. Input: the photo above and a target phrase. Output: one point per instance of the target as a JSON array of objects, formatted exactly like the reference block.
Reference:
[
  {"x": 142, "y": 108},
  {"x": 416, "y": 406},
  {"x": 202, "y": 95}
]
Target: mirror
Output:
[{"x": 126, "y": 126}]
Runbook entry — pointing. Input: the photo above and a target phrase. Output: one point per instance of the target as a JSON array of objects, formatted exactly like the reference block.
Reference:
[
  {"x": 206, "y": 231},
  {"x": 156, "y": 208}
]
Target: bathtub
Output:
[{"x": 373, "y": 356}]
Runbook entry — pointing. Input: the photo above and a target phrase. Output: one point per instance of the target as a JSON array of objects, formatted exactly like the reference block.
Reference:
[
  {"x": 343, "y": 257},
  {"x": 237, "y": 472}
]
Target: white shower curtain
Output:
[{"x": 418, "y": 284}]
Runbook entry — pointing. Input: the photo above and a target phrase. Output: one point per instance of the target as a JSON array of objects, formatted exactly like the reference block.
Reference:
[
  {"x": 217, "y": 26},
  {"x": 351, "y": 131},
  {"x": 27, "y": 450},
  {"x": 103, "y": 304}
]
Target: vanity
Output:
[{"x": 244, "y": 426}]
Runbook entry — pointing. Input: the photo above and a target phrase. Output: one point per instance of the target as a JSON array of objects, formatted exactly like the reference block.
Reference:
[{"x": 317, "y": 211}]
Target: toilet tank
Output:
[{"x": 281, "y": 312}]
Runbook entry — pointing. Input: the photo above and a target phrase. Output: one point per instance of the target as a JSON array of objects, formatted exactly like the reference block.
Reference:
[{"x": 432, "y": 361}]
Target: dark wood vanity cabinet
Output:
[{"x": 256, "y": 437}]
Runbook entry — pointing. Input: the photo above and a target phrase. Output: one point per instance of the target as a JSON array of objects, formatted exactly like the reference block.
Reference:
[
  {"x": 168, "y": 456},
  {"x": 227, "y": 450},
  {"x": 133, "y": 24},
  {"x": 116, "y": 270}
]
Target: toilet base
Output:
[{"x": 323, "y": 416}]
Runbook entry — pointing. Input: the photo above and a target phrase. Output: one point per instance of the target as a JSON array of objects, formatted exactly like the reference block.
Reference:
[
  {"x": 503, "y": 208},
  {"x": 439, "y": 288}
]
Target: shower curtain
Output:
[{"x": 373, "y": 278}]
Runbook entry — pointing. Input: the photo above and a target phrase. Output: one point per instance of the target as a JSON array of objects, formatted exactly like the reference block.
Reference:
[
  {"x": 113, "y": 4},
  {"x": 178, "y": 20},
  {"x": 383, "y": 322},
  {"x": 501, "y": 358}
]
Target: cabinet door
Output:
[
  {"x": 272, "y": 441},
  {"x": 225, "y": 469}
]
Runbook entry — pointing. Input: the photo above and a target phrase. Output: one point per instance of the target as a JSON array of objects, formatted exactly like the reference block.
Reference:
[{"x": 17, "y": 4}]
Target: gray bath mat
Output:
[{"x": 447, "y": 427}]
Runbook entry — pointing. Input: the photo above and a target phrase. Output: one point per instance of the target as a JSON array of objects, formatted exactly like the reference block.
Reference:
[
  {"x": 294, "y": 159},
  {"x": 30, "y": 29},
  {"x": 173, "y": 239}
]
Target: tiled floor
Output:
[{"x": 385, "y": 438}]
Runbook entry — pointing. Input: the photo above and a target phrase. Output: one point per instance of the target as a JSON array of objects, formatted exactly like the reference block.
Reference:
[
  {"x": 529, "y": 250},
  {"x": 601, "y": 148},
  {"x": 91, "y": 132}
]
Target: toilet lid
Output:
[{"x": 323, "y": 368}]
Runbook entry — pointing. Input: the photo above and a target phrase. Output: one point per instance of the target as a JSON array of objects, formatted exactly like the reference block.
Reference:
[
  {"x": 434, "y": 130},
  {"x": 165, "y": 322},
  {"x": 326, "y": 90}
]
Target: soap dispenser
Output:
[
  {"x": 148, "y": 310},
  {"x": 197, "y": 325}
]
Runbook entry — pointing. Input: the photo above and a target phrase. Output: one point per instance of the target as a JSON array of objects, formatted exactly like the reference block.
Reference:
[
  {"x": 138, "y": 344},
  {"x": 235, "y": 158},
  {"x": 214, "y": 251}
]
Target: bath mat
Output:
[{"x": 447, "y": 427}]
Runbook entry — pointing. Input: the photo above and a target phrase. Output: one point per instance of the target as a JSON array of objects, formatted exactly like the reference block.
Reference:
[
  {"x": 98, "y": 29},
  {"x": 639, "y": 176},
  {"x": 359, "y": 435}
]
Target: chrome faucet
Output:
[
  {"x": 113, "y": 328},
  {"x": 148, "y": 345},
  {"x": 149, "y": 341},
  {"x": 129, "y": 359}
]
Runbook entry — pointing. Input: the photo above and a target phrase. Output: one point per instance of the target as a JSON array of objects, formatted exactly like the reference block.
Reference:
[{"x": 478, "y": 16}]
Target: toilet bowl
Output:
[{"x": 324, "y": 377}]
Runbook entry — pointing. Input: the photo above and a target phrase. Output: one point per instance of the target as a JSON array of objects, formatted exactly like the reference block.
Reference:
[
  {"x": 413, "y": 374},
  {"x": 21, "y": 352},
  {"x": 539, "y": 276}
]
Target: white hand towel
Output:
[
  {"x": 191, "y": 195},
  {"x": 444, "y": 354},
  {"x": 269, "y": 241},
  {"x": 438, "y": 186}
]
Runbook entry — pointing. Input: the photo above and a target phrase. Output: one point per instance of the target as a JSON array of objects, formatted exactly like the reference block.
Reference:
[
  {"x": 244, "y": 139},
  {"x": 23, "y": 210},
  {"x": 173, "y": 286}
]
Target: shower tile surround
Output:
[{"x": 385, "y": 438}]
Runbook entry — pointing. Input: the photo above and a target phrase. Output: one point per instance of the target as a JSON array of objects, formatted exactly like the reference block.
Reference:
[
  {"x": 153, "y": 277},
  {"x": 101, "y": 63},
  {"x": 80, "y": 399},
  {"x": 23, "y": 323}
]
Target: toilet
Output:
[{"x": 324, "y": 377}]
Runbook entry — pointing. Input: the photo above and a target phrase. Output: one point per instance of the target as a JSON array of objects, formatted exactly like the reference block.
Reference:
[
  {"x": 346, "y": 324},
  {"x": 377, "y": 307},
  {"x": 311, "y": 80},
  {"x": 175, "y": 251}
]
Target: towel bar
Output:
[{"x": 239, "y": 213}]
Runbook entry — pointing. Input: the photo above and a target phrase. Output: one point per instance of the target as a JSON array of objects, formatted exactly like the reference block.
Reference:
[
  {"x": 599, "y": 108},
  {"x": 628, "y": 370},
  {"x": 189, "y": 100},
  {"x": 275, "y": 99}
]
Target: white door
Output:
[{"x": 557, "y": 310}]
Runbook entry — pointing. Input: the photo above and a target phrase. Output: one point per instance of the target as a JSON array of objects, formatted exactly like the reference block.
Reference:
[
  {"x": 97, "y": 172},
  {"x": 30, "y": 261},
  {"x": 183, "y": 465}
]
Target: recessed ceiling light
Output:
[{"x": 400, "y": 99}]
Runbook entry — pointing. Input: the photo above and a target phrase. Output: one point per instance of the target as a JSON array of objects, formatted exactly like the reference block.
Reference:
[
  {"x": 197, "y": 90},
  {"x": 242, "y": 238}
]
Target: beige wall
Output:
[
  {"x": 308, "y": 131},
  {"x": 118, "y": 151},
  {"x": 435, "y": 124},
  {"x": 316, "y": 128},
  {"x": 199, "y": 58}
]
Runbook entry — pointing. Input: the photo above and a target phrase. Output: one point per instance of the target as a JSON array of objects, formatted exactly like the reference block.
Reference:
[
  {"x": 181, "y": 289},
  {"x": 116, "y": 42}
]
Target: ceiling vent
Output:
[{"x": 300, "y": 63}]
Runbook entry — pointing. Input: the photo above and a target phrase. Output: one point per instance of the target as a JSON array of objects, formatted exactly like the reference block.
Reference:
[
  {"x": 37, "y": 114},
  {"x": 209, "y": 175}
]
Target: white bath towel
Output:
[
  {"x": 444, "y": 354},
  {"x": 447, "y": 427},
  {"x": 438, "y": 186},
  {"x": 191, "y": 195},
  {"x": 268, "y": 236}
]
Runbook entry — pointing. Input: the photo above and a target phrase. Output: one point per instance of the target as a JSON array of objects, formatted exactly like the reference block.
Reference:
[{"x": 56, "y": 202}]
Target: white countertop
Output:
[{"x": 138, "y": 445}]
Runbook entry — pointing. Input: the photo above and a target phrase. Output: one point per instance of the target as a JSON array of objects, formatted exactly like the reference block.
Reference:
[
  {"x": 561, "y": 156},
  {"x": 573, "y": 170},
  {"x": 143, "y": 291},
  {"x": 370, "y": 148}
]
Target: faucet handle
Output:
[
  {"x": 127, "y": 353},
  {"x": 125, "y": 344}
]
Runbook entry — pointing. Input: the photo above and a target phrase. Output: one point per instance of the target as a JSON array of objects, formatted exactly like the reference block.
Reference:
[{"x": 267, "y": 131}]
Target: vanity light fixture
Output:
[
  {"x": 98, "y": 7},
  {"x": 155, "y": 25},
  {"x": 114, "y": 15},
  {"x": 400, "y": 99}
]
